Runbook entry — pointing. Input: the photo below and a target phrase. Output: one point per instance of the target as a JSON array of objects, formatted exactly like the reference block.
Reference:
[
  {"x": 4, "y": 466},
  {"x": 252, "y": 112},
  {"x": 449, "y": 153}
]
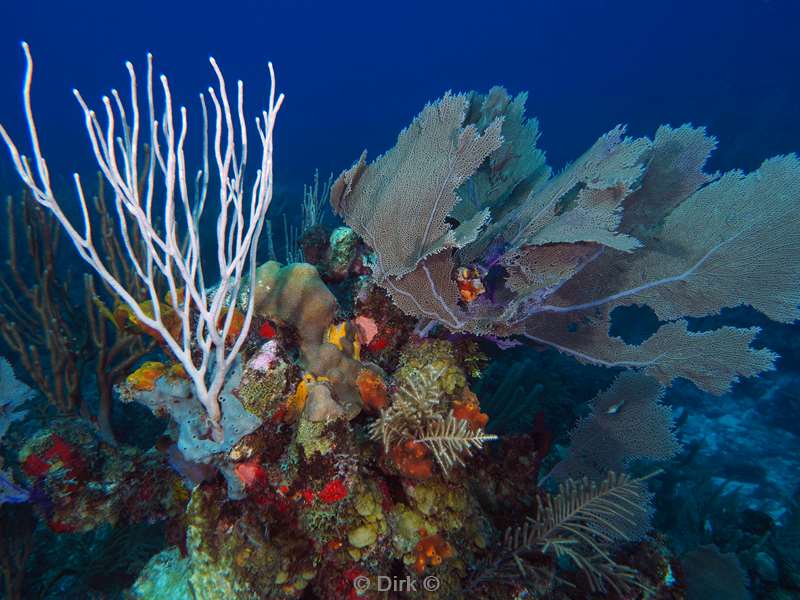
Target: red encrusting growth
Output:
[
  {"x": 61, "y": 527},
  {"x": 333, "y": 492},
  {"x": 378, "y": 344},
  {"x": 386, "y": 502},
  {"x": 60, "y": 452},
  {"x": 346, "y": 587},
  {"x": 267, "y": 330},
  {"x": 35, "y": 466},
  {"x": 306, "y": 495}
]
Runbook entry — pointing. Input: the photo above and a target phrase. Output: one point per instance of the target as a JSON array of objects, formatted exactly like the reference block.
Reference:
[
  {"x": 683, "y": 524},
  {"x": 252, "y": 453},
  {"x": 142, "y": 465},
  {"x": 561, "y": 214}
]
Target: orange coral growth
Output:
[
  {"x": 468, "y": 409},
  {"x": 469, "y": 284},
  {"x": 431, "y": 550},
  {"x": 334, "y": 545},
  {"x": 372, "y": 389},
  {"x": 237, "y": 322},
  {"x": 413, "y": 460},
  {"x": 144, "y": 378},
  {"x": 298, "y": 400}
]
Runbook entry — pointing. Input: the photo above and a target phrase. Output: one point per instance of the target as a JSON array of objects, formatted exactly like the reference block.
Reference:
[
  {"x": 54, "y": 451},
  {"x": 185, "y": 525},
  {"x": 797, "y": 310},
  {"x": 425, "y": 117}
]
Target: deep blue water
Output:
[{"x": 355, "y": 73}]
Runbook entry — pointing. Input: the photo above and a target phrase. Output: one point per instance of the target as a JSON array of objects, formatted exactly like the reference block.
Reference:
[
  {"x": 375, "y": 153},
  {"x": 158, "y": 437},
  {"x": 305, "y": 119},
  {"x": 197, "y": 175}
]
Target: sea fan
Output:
[
  {"x": 633, "y": 221},
  {"x": 627, "y": 422}
]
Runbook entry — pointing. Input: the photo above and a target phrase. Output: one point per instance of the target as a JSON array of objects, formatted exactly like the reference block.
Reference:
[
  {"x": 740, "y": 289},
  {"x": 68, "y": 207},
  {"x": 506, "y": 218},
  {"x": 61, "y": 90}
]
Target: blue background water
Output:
[{"x": 355, "y": 73}]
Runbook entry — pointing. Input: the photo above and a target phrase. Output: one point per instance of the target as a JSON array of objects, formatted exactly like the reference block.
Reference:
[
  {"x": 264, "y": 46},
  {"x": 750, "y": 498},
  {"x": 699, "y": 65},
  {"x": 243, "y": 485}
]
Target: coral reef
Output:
[
  {"x": 320, "y": 507},
  {"x": 427, "y": 411},
  {"x": 295, "y": 296},
  {"x": 87, "y": 483},
  {"x": 377, "y": 414}
]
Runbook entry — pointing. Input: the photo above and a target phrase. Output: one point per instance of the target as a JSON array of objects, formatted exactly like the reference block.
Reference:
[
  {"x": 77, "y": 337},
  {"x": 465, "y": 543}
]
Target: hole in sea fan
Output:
[{"x": 634, "y": 324}]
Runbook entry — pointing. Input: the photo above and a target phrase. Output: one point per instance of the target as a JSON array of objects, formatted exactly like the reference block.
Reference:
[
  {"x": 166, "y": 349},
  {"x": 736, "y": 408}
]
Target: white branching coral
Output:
[
  {"x": 632, "y": 221},
  {"x": 148, "y": 176}
]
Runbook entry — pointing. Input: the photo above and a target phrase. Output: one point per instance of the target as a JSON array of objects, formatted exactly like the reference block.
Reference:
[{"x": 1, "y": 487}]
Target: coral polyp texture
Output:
[{"x": 325, "y": 428}]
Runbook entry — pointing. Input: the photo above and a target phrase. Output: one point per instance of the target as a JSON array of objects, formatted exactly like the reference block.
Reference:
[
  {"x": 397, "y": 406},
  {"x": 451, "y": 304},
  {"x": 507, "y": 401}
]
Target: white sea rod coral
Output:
[{"x": 143, "y": 161}]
